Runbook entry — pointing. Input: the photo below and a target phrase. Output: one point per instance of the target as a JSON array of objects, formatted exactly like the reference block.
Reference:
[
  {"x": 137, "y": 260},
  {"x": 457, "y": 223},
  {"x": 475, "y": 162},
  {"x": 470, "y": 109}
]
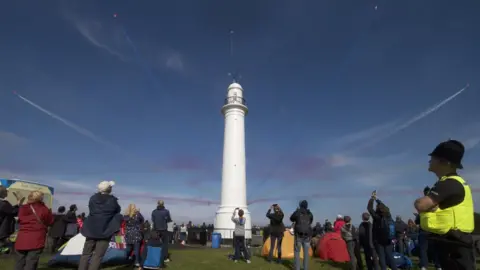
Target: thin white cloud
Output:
[
  {"x": 111, "y": 37},
  {"x": 174, "y": 61},
  {"x": 9, "y": 139}
]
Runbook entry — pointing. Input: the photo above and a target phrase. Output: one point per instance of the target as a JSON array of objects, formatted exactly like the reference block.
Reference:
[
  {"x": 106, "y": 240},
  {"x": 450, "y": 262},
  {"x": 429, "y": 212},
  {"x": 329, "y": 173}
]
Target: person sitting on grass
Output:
[
  {"x": 152, "y": 253},
  {"x": 239, "y": 235}
]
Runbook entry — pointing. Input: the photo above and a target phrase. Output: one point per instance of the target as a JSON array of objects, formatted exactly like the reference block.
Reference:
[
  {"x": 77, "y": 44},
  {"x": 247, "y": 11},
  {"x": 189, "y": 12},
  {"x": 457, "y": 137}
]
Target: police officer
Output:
[{"x": 447, "y": 210}]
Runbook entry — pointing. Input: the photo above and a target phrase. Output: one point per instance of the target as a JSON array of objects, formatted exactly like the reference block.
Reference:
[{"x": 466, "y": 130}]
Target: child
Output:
[
  {"x": 239, "y": 235},
  {"x": 152, "y": 253}
]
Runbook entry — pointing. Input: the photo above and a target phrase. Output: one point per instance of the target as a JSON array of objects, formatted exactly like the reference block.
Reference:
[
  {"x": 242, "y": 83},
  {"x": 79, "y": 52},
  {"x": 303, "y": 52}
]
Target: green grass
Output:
[{"x": 203, "y": 259}]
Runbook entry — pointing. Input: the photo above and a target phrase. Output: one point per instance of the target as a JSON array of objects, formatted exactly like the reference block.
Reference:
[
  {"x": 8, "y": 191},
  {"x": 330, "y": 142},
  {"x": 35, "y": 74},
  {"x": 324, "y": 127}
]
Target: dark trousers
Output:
[
  {"x": 240, "y": 246},
  {"x": 28, "y": 259},
  {"x": 135, "y": 248},
  {"x": 358, "y": 255},
  {"x": 385, "y": 256},
  {"x": 165, "y": 235},
  {"x": 351, "y": 254},
  {"x": 427, "y": 247},
  {"x": 94, "y": 249},
  {"x": 401, "y": 244},
  {"x": 371, "y": 257},
  {"x": 56, "y": 243},
  {"x": 455, "y": 257},
  {"x": 278, "y": 240}
]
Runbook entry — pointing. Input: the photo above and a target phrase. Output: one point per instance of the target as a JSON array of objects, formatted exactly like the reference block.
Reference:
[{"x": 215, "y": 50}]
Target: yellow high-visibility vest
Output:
[{"x": 459, "y": 217}]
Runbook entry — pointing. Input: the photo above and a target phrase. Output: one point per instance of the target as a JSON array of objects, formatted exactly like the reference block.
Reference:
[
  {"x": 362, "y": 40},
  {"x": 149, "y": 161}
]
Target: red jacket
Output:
[
  {"x": 337, "y": 226},
  {"x": 32, "y": 234}
]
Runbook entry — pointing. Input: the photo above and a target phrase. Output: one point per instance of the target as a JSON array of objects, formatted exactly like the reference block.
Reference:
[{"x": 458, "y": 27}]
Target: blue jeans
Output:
[
  {"x": 136, "y": 251},
  {"x": 301, "y": 242},
  {"x": 239, "y": 242},
  {"x": 385, "y": 256}
]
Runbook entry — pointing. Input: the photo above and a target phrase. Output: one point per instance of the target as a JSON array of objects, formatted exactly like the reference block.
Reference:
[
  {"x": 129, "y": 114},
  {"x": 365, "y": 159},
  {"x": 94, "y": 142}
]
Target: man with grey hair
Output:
[
  {"x": 7, "y": 219},
  {"x": 103, "y": 221},
  {"x": 160, "y": 219}
]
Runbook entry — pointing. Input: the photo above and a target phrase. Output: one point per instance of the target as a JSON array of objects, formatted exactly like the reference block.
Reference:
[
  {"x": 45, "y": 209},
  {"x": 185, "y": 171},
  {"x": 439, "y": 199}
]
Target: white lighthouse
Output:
[{"x": 234, "y": 182}]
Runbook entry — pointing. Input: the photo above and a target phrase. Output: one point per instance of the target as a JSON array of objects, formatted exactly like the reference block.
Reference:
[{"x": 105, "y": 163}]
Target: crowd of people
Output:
[{"x": 442, "y": 225}]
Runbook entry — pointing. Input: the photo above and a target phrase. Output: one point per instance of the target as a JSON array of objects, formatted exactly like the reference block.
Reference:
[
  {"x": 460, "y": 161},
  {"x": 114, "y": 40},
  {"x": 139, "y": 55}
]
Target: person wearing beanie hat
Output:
[
  {"x": 105, "y": 187},
  {"x": 449, "y": 207},
  {"x": 103, "y": 221}
]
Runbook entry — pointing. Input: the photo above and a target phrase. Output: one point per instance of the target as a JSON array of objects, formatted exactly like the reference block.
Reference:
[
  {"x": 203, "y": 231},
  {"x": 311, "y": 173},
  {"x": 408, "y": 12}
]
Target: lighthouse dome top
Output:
[{"x": 235, "y": 85}]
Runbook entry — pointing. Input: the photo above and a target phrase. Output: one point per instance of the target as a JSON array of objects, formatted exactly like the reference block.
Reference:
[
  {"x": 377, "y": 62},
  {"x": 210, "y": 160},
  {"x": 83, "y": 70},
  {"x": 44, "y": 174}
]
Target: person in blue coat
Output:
[{"x": 103, "y": 221}]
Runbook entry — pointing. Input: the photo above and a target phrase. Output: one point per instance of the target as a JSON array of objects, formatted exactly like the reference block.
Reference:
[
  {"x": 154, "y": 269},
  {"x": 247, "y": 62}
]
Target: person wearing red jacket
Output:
[
  {"x": 34, "y": 218},
  {"x": 338, "y": 224}
]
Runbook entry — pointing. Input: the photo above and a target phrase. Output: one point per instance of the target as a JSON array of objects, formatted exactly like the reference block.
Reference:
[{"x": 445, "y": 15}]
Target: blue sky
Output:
[{"x": 329, "y": 85}]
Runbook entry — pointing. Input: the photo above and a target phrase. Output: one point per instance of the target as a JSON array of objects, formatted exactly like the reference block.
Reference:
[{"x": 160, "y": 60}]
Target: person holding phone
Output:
[
  {"x": 239, "y": 235},
  {"x": 277, "y": 230}
]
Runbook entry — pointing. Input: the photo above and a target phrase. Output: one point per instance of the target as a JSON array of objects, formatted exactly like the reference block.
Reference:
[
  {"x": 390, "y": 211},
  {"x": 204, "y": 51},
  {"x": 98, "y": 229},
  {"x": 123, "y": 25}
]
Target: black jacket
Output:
[
  {"x": 7, "y": 218},
  {"x": 160, "y": 218},
  {"x": 276, "y": 223},
  {"x": 296, "y": 215},
  {"x": 365, "y": 234},
  {"x": 104, "y": 219},
  {"x": 382, "y": 212},
  {"x": 400, "y": 228}
]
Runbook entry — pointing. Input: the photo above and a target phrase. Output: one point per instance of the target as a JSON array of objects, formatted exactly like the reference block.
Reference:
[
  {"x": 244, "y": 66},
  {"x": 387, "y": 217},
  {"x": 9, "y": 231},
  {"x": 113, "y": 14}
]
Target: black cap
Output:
[{"x": 451, "y": 151}]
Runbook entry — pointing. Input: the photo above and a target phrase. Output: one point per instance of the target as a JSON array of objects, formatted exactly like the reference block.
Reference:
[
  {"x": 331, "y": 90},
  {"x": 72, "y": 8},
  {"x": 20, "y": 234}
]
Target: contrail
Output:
[
  {"x": 413, "y": 120},
  {"x": 71, "y": 125}
]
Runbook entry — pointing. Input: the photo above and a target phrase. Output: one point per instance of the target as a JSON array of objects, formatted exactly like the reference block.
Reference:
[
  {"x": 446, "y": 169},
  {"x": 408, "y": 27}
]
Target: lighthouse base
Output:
[{"x": 224, "y": 224}]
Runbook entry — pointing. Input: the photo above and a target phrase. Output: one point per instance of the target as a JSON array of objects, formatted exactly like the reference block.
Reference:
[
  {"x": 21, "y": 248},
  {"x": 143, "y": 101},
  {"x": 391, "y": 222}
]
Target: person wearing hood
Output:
[
  {"x": 277, "y": 230},
  {"x": 338, "y": 224},
  {"x": 400, "y": 231},
  {"x": 303, "y": 219},
  {"x": 382, "y": 233},
  {"x": 160, "y": 219},
  {"x": 103, "y": 221}
]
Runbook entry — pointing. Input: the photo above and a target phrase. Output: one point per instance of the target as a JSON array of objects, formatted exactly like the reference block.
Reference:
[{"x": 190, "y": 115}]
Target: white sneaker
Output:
[
  {"x": 248, "y": 261},
  {"x": 235, "y": 261},
  {"x": 167, "y": 260}
]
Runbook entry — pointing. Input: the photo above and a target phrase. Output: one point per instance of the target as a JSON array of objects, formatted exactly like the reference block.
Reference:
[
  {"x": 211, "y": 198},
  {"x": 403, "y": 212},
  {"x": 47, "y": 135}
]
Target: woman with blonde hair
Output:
[
  {"x": 134, "y": 231},
  {"x": 34, "y": 218}
]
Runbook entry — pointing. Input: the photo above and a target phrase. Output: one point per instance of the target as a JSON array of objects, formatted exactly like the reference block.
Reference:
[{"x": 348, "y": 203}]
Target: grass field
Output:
[{"x": 203, "y": 259}]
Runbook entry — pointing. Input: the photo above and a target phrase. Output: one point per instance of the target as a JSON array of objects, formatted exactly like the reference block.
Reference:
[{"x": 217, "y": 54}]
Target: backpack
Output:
[
  {"x": 388, "y": 228},
  {"x": 302, "y": 225},
  {"x": 402, "y": 261}
]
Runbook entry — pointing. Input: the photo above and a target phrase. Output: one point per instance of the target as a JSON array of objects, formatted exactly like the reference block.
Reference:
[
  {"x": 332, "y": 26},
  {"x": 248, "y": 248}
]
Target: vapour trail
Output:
[
  {"x": 412, "y": 120},
  {"x": 137, "y": 53},
  {"x": 71, "y": 125}
]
